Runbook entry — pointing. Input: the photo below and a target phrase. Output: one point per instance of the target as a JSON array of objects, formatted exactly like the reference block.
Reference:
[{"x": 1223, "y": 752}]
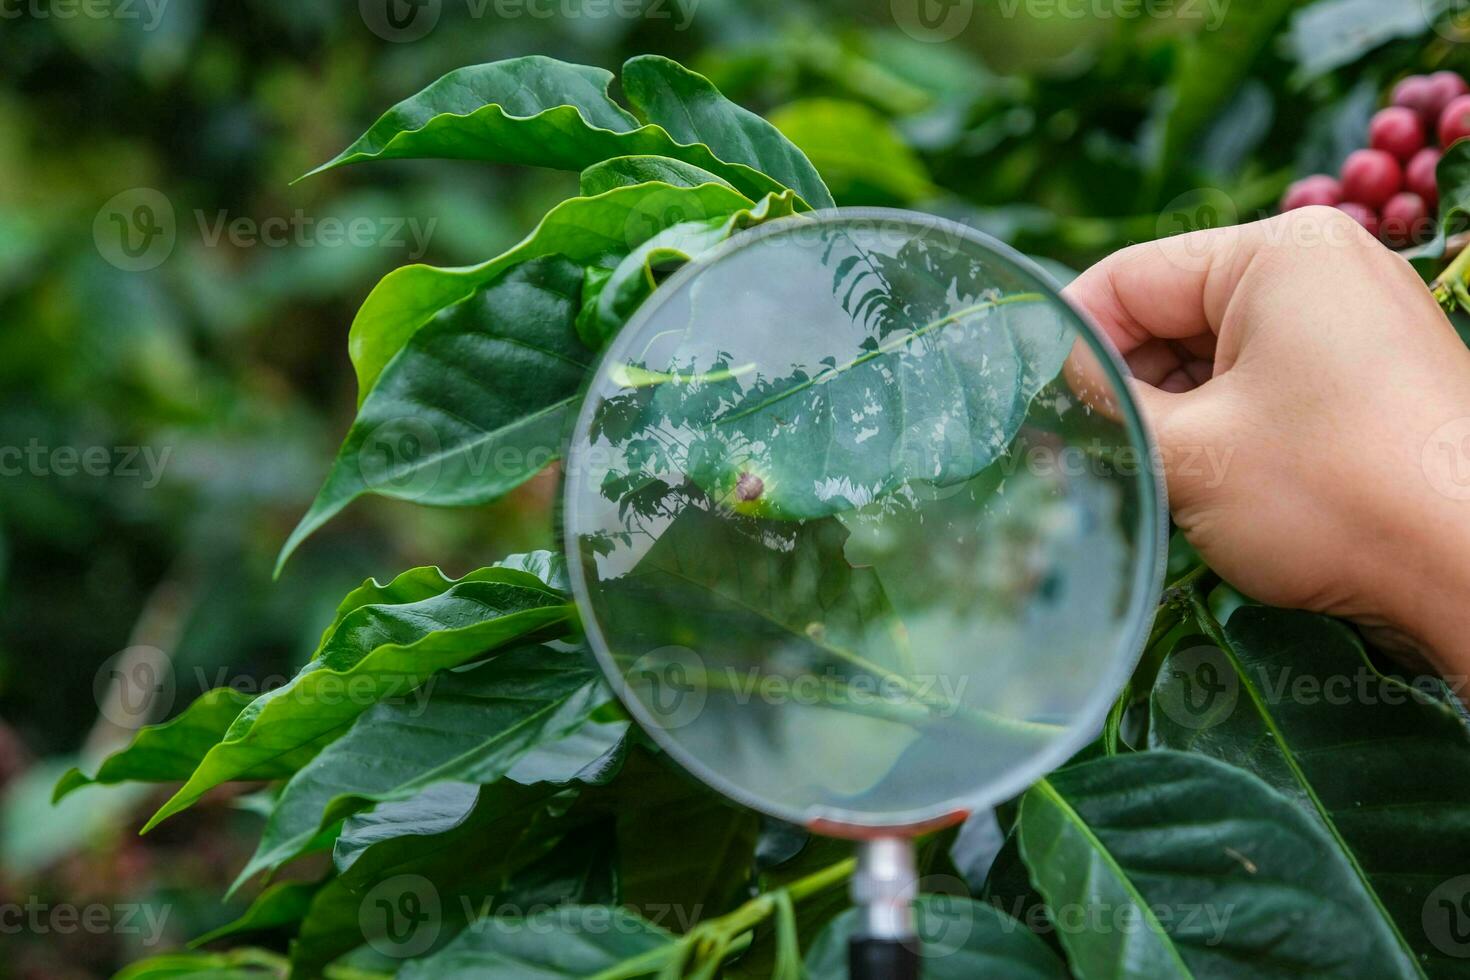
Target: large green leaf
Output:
[
  {"x": 858, "y": 151},
  {"x": 559, "y": 944},
  {"x": 1384, "y": 768},
  {"x": 166, "y": 752},
  {"x": 693, "y": 111},
  {"x": 475, "y": 725},
  {"x": 1325, "y": 36},
  {"x": 237, "y": 964},
  {"x": 519, "y": 848},
  {"x": 376, "y": 652},
  {"x": 540, "y": 112},
  {"x": 963, "y": 939},
  {"x": 591, "y": 755},
  {"x": 473, "y": 405},
  {"x": 1453, "y": 177},
  {"x": 586, "y": 230},
  {"x": 1194, "y": 868}
]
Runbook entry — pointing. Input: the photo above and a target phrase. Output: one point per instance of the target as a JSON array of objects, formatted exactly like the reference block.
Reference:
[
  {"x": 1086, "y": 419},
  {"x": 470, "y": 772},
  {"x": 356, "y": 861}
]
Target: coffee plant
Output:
[{"x": 1267, "y": 798}]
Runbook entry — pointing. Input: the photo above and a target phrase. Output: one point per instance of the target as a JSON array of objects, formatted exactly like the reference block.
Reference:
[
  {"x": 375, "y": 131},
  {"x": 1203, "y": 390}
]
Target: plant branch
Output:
[{"x": 1449, "y": 288}]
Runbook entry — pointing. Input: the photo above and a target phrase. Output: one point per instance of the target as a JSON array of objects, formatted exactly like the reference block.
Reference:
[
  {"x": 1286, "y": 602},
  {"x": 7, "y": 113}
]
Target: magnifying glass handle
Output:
[
  {"x": 882, "y": 959},
  {"x": 885, "y": 945}
]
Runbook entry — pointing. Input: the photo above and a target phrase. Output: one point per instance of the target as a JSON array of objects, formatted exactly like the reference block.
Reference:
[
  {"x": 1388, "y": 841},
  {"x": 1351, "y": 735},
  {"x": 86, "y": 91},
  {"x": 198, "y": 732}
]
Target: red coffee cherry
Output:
[
  {"x": 1418, "y": 95},
  {"x": 1419, "y": 175},
  {"x": 1405, "y": 220},
  {"x": 1371, "y": 177},
  {"x": 1442, "y": 88},
  {"x": 1316, "y": 189},
  {"x": 1398, "y": 131},
  {"x": 1454, "y": 122},
  {"x": 1362, "y": 214}
]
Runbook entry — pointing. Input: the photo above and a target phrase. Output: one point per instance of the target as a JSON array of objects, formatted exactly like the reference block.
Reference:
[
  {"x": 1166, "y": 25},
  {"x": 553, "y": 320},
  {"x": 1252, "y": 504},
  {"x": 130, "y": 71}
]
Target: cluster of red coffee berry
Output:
[{"x": 1390, "y": 187}]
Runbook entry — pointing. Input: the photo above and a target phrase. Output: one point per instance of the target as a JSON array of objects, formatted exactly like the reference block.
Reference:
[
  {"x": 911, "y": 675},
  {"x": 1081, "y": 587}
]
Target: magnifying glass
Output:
[{"x": 863, "y": 528}]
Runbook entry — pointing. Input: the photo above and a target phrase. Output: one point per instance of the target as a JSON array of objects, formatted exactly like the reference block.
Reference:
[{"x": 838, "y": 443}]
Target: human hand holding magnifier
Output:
[{"x": 849, "y": 545}]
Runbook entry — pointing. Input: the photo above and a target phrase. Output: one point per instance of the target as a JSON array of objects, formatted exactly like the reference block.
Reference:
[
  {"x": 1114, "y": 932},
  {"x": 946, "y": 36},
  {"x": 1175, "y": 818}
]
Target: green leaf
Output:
[
  {"x": 497, "y": 856},
  {"x": 376, "y": 652},
  {"x": 1197, "y": 867},
  {"x": 281, "y": 904},
  {"x": 473, "y": 727},
  {"x": 237, "y": 964},
  {"x": 683, "y": 850},
  {"x": 693, "y": 111},
  {"x": 166, "y": 752},
  {"x": 858, "y": 151},
  {"x": 627, "y": 171},
  {"x": 635, "y": 277},
  {"x": 591, "y": 755},
  {"x": 568, "y": 942},
  {"x": 1453, "y": 178},
  {"x": 1292, "y": 697},
  {"x": 539, "y": 112},
  {"x": 472, "y": 406},
  {"x": 1327, "y": 35},
  {"x": 963, "y": 939},
  {"x": 586, "y": 230}
]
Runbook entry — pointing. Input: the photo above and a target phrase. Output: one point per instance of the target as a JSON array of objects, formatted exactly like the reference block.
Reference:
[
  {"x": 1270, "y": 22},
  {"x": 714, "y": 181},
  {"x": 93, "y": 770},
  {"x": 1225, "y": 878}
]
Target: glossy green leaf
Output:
[
  {"x": 1194, "y": 868},
  {"x": 559, "y": 944},
  {"x": 472, "y": 406},
  {"x": 166, "y": 752},
  {"x": 1291, "y": 697},
  {"x": 693, "y": 111},
  {"x": 540, "y": 112},
  {"x": 516, "y": 850},
  {"x": 627, "y": 171},
  {"x": 586, "y": 230},
  {"x": 376, "y": 652},
  {"x": 962, "y": 939},
  {"x": 858, "y": 151},
  {"x": 473, "y": 727},
  {"x": 282, "y": 904}
]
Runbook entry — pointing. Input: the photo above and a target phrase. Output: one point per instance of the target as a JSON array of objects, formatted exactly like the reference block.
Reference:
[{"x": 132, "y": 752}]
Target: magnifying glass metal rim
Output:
[{"x": 1148, "y": 575}]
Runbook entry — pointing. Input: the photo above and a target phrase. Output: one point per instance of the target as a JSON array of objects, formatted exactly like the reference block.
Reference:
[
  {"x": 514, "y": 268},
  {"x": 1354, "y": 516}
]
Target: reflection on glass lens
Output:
[{"x": 860, "y": 522}]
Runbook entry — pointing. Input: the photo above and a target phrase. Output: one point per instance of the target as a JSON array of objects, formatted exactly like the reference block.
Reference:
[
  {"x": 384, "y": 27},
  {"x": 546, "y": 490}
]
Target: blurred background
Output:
[{"x": 170, "y": 399}]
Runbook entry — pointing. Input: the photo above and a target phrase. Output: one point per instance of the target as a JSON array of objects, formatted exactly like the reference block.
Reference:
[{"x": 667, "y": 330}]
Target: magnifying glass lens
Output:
[{"x": 861, "y": 520}]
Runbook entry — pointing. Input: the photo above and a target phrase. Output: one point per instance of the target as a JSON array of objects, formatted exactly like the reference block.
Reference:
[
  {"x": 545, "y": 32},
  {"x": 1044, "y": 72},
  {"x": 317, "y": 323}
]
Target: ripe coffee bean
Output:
[
  {"x": 1398, "y": 131},
  {"x": 1316, "y": 189},
  {"x": 1443, "y": 87},
  {"x": 1405, "y": 220},
  {"x": 1417, "y": 94},
  {"x": 1419, "y": 176},
  {"x": 1371, "y": 177},
  {"x": 1362, "y": 214},
  {"x": 1454, "y": 122}
]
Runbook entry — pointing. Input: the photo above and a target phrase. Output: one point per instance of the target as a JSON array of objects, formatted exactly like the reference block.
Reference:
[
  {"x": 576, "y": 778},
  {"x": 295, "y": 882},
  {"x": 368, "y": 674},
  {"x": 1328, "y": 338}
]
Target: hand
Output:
[{"x": 1312, "y": 405}]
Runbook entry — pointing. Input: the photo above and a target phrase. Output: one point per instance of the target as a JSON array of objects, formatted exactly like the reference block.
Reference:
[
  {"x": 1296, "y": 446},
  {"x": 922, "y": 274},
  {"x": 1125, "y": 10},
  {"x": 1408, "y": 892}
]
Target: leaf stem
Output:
[{"x": 1449, "y": 288}]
